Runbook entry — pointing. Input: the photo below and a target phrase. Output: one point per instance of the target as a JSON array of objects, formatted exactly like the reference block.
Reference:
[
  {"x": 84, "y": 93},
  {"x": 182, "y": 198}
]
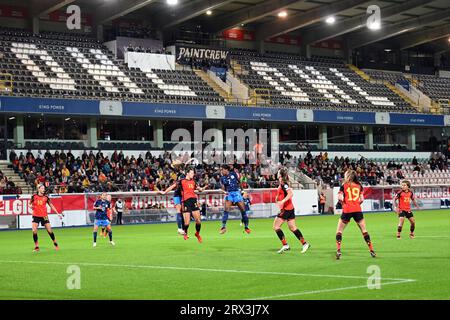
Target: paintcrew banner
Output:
[{"x": 184, "y": 52}]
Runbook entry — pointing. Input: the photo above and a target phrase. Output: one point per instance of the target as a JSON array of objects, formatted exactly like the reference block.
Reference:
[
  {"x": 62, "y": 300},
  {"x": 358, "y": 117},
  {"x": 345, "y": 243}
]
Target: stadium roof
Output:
[{"x": 405, "y": 23}]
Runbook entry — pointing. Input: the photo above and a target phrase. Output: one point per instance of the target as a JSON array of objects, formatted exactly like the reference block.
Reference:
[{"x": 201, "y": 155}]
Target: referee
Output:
[{"x": 119, "y": 206}]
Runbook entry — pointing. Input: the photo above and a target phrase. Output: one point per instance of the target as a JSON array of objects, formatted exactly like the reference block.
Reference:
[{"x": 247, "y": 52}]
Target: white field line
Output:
[
  {"x": 94, "y": 264},
  {"x": 326, "y": 290},
  {"x": 431, "y": 236}
]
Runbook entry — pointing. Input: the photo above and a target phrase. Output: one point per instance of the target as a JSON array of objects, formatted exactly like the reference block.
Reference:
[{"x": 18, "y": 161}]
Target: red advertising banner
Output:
[
  {"x": 21, "y": 206},
  {"x": 13, "y": 205},
  {"x": 329, "y": 44},
  {"x": 13, "y": 12},
  {"x": 149, "y": 200},
  {"x": 285, "y": 39},
  {"x": 420, "y": 193},
  {"x": 239, "y": 35}
]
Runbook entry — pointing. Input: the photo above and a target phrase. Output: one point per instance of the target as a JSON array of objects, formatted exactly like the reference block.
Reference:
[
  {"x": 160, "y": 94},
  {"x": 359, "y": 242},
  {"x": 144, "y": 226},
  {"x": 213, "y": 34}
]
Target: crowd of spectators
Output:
[
  {"x": 7, "y": 186},
  {"x": 331, "y": 171},
  {"x": 62, "y": 172}
]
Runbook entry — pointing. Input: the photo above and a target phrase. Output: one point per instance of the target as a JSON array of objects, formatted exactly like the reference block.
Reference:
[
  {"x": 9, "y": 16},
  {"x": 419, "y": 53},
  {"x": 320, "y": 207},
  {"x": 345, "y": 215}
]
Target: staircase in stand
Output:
[
  {"x": 359, "y": 72},
  {"x": 391, "y": 87},
  {"x": 205, "y": 77},
  {"x": 401, "y": 95},
  {"x": 14, "y": 177}
]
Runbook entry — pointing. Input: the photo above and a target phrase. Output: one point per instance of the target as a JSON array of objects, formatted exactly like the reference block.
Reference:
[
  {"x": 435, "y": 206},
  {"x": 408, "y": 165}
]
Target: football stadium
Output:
[{"x": 224, "y": 150}]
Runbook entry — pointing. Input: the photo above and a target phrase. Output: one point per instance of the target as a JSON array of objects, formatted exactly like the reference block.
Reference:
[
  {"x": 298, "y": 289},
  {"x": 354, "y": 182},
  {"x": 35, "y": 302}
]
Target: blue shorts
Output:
[
  {"x": 102, "y": 223},
  {"x": 176, "y": 200},
  {"x": 234, "y": 196}
]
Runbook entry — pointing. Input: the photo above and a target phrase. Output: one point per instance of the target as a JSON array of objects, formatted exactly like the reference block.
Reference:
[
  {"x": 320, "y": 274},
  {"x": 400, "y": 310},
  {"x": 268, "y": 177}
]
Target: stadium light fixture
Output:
[
  {"x": 330, "y": 20},
  {"x": 12, "y": 118},
  {"x": 282, "y": 14},
  {"x": 172, "y": 2},
  {"x": 448, "y": 39},
  {"x": 387, "y": 50},
  {"x": 209, "y": 12}
]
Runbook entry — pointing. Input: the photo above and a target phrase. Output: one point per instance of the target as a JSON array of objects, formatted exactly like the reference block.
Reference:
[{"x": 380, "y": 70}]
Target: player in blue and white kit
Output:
[
  {"x": 247, "y": 203},
  {"x": 232, "y": 187},
  {"x": 177, "y": 199},
  {"x": 101, "y": 207}
]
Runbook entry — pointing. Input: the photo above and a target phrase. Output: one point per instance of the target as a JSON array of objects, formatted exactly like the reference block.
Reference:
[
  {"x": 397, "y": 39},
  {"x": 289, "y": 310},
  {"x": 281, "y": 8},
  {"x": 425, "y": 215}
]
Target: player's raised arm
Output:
[
  {"x": 198, "y": 188},
  {"x": 173, "y": 186},
  {"x": 96, "y": 206}
]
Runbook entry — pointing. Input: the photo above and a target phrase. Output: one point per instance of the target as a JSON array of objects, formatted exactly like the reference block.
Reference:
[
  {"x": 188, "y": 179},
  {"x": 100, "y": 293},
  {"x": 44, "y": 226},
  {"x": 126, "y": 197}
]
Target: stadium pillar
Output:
[
  {"x": 35, "y": 21},
  {"x": 305, "y": 51},
  {"x": 323, "y": 137},
  {"x": 92, "y": 133},
  {"x": 412, "y": 139},
  {"x": 100, "y": 32},
  {"x": 158, "y": 141},
  {"x": 369, "y": 138},
  {"x": 261, "y": 47},
  {"x": 19, "y": 137}
]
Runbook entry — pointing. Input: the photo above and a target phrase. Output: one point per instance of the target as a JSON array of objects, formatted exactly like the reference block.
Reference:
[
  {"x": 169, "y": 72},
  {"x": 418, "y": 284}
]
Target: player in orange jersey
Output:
[
  {"x": 39, "y": 203},
  {"x": 287, "y": 213},
  {"x": 351, "y": 197},
  {"x": 190, "y": 205},
  {"x": 404, "y": 198}
]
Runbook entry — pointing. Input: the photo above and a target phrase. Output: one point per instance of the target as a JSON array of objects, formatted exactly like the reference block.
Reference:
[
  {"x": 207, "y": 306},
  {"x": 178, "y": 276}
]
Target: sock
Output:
[
  {"x": 367, "y": 239},
  {"x": 103, "y": 231},
  {"x": 224, "y": 219},
  {"x": 399, "y": 230},
  {"x": 179, "y": 221},
  {"x": 52, "y": 236},
  {"x": 299, "y": 236},
  {"x": 110, "y": 235},
  {"x": 95, "y": 236},
  {"x": 338, "y": 240},
  {"x": 185, "y": 228},
  {"x": 413, "y": 227},
  {"x": 198, "y": 226},
  {"x": 245, "y": 219},
  {"x": 35, "y": 239},
  {"x": 280, "y": 235}
]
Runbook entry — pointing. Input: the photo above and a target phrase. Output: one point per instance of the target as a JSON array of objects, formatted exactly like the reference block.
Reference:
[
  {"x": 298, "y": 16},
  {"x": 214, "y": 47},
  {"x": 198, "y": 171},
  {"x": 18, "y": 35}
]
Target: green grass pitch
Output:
[{"x": 153, "y": 262}]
